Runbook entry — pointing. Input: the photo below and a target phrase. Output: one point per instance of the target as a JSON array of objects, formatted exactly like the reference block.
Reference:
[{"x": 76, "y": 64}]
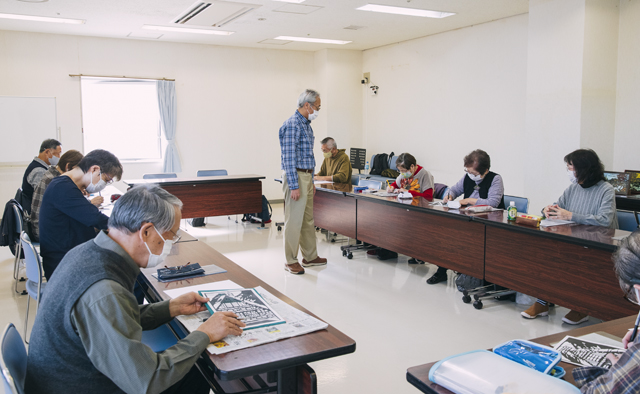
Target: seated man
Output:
[
  {"x": 67, "y": 161},
  {"x": 336, "y": 166},
  {"x": 86, "y": 337},
  {"x": 67, "y": 218},
  {"x": 479, "y": 186},
  {"x": 49, "y": 155},
  {"x": 622, "y": 377}
]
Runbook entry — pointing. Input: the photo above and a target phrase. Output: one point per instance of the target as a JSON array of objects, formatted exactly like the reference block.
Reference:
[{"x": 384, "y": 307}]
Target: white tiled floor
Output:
[{"x": 396, "y": 319}]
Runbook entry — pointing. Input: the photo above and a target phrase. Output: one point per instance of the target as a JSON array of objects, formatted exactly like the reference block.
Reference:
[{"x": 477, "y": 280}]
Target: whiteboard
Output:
[{"x": 24, "y": 123}]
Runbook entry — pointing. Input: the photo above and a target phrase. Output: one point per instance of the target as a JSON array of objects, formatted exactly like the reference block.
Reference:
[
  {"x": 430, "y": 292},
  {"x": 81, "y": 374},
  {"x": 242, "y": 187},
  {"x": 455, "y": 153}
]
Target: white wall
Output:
[
  {"x": 231, "y": 101},
  {"x": 627, "y": 138},
  {"x": 445, "y": 95}
]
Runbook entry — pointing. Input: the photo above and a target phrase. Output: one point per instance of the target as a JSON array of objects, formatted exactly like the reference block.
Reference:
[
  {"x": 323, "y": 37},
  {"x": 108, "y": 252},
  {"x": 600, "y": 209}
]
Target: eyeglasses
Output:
[
  {"x": 176, "y": 236},
  {"x": 314, "y": 107}
]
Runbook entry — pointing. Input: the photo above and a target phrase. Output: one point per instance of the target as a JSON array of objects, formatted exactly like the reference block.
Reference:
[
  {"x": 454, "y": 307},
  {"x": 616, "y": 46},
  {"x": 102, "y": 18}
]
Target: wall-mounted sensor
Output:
[
  {"x": 374, "y": 89},
  {"x": 365, "y": 81}
]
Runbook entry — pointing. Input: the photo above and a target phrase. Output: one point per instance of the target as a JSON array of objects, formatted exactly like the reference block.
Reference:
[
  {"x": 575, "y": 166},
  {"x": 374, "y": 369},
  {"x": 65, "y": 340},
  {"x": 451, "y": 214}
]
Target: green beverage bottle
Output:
[{"x": 512, "y": 212}]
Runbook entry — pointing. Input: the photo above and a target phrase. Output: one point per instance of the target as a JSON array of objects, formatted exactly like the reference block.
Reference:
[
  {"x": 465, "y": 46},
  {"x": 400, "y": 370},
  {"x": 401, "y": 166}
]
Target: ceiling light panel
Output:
[
  {"x": 187, "y": 30},
  {"x": 42, "y": 19},
  {"x": 290, "y": 1},
  {"x": 314, "y": 40},
  {"x": 405, "y": 11}
]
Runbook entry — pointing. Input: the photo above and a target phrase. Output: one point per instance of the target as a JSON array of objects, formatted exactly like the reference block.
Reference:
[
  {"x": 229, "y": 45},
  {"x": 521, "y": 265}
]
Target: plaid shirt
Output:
[
  {"x": 623, "y": 377},
  {"x": 38, "y": 192},
  {"x": 296, "y": 147}
]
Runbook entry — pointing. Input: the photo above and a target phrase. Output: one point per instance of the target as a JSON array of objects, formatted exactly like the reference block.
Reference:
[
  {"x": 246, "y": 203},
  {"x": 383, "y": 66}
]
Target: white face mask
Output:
[
  {"x": 572, "y": 177},
  {"x": 98, "y": 186},
  {"x": 155, "y": 259},
  {"x": 314, "y": 115},
  {"x": 475, "y": 178},
  {"x": 54, "y": 160}
]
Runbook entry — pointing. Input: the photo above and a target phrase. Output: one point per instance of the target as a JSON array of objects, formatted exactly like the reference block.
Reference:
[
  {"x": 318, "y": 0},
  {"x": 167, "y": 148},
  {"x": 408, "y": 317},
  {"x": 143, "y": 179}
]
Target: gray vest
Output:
[{"x": 57, "y": 361}]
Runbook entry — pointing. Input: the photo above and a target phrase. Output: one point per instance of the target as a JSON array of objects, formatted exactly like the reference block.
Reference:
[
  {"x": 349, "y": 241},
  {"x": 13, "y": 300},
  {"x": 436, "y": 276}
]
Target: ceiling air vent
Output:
[
  {"x": 213, "y": 13},
  {"x": 353, "y": 27}
]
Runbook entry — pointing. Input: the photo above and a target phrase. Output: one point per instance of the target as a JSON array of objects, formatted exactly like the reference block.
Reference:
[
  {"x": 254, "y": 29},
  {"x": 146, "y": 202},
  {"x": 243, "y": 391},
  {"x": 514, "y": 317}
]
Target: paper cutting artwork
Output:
[
  {"x": 246, "y": 303},
  {"x": 585, "y": 353}
]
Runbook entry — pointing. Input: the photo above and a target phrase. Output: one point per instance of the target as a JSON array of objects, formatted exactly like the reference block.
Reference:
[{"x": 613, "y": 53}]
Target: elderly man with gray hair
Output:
[
  {"x": 336, "y": 166},
  {"x": 87, "y": 334},
  {"x": 298, "y": 163}
]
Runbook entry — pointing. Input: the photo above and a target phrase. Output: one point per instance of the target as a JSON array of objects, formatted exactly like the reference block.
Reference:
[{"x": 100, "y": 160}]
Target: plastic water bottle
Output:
[
  {"x": 366, "y": 169},
  {"x": 512, "y": 212}
]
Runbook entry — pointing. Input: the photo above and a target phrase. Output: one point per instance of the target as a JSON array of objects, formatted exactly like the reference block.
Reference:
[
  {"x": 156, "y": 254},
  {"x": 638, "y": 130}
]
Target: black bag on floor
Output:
[
  {"x": 196, "y": 222},
  {"x": 265, "y": 215},
  {"x": 386, "y": 254},
  {"x": 466, "y": 282}
]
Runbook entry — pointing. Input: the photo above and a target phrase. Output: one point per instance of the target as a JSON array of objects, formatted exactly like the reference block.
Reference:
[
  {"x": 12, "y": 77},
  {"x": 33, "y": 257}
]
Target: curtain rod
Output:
[{"x": 118, "y": 76}]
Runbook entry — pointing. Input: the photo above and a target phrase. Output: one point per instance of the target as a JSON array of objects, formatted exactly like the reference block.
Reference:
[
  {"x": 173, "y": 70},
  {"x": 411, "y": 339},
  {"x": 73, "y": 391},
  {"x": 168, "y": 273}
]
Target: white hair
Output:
[{"x": 308, "y": 96}]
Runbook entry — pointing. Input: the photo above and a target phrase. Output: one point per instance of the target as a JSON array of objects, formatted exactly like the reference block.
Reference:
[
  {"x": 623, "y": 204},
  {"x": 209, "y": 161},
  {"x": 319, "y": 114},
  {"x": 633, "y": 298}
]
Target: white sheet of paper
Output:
[
  {"x": 554, "y": 222},
  {"x": 322, "y": 182},
  {"x": 221, "y": 285}
]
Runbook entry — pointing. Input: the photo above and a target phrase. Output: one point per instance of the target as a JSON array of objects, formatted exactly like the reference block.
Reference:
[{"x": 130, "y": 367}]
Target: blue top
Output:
[
  {"x": 67, "y": 219},
  {"x": 296, "y": 147}
]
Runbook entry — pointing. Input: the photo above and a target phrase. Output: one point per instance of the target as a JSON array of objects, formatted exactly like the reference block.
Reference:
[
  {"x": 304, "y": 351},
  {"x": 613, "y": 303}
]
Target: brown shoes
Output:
[
  {"x": 295, "y": 269},
  {"x": 317, "y": 261},
  {"x": 535, "y": 310},
  {"x": 574, "y": 317}
]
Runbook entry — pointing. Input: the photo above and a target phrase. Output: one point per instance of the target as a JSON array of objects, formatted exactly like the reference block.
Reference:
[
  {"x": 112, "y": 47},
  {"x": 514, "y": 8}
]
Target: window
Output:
[{"x": 121, "y": 115}]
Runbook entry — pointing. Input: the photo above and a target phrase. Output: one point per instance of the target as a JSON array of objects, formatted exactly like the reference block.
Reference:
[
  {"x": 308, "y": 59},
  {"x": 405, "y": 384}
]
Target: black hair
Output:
[
  {"x": 479, "y": 160},
  {"x": 108, "y": 163},
  {"x": 70, "y": 158},
  {"x": 587, "y": 166},
  {"x": 49, "y": 144},
  {"x": 405, "y": 160}
]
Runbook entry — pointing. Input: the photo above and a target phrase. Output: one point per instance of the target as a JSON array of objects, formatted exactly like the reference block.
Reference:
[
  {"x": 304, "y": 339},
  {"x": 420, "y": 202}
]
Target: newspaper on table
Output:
[
  {"x": 297, "y": 322},
  {"x": 585, "y": 353}
]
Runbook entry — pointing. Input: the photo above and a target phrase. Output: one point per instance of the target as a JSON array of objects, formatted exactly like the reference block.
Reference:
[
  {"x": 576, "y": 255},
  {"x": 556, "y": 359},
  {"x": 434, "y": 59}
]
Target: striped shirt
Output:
[
  {"x": 48, "y": 176},
  {"x": 296, "y": 147},
  {"x": 595, "y": 205},
  {"x": 623, "y": 377}
]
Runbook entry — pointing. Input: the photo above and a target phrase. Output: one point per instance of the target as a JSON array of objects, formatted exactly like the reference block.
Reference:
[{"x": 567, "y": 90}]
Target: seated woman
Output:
[
  {"x": 413, "y": 179},
  {"x": 479, "y": 187},
  {"x": 622, "y": 377},
  {"x": 588, "y": 200},
  {"x": 67, "y": 161}
]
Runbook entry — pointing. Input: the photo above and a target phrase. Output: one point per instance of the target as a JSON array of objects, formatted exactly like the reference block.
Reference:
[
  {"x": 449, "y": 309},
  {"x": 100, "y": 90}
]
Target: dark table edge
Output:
[
  {"x": 509, "y": 226},
  {"x": 419, "y": 384},
  {"x": 242, "y": 373},
  {"x": 179, "y": 182}
]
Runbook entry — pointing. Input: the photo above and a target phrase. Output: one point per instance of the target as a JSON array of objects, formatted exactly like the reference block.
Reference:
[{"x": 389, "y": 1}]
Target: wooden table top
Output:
[
  {"x": 419, "y": 375},
  {"x": 591, "y": 236},
  {"x": 195, "y": 180},
  {"x": 286, "y": 353}
]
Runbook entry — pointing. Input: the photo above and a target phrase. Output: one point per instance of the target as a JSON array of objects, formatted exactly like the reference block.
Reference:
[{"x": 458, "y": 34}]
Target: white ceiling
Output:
[{"x": 123, "y": 18}]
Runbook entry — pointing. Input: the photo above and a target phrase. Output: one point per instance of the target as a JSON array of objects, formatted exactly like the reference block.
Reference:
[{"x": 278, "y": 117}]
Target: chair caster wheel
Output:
[
  {"x": 279, "y": 228},
  {"x": 333, "y": 240},
  {"x": 466, "y": 299},
  {"x": 477, "y": 304},
  {"x": 344, "y": 253},
  {"x": 350, "y": 256}
]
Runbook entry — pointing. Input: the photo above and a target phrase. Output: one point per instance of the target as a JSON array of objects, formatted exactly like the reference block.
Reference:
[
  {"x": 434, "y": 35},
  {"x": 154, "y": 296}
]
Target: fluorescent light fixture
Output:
[
  {"x": 187, "y": 30},
  {"x": 42, "y": 19},
  {"x": 387, "y": 9},
  {"x": 290, "y": 1},
  {"x": 316, "y": 40}
]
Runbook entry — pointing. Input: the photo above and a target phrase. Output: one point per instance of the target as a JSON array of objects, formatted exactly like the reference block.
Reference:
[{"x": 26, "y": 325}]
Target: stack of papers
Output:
[
  {"x": 554, "y": 222},
  {"x": 296, "y": 322}
]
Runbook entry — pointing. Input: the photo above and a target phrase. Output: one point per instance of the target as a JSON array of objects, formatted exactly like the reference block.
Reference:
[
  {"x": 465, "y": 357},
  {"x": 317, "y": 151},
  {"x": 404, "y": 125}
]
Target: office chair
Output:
[
  {"x": 440, "y": 190},
  {"x": 35, "y": 276},
  {"x": 160, "y": 175},
  {"x": 522, "y": 203},
  {"x": 13, "y": 361},
  {"x": 211, "y": 173},
  {"x": 159, "y": 339},
  {"x": 491, "y": 290},
  {"x": 19, "y": 227},
  {"x": 627, "y": 220}
]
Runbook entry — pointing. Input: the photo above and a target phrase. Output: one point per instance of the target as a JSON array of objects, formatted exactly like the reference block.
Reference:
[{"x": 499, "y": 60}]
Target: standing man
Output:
[
  {"x": 298, "y": 163},
  {"x": 49, "y": 155},
  {"x": 336, "y": 166}
]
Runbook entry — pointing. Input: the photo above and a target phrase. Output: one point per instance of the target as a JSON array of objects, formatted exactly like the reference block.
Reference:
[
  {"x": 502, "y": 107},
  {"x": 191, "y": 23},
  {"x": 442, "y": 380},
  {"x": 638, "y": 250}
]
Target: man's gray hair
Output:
[
  {"x": 145, "y": 204},
  {"x": 329, "y": 142},
  {"x": 626, "y": 259},
  {"x": 308, "y": 96}
]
